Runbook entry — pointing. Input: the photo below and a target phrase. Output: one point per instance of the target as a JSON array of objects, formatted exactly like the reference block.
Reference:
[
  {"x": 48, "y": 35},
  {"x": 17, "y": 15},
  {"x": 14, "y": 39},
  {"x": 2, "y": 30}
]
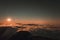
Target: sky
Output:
[{"x": 33, "y": 11}]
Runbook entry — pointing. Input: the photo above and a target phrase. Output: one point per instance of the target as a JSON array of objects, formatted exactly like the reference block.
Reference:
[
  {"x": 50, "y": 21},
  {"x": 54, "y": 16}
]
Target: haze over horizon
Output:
[{"x": 31, "y": 11}]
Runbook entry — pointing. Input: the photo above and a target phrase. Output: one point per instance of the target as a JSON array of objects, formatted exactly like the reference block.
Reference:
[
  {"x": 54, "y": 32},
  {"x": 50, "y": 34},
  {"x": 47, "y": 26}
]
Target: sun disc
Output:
[{"x": 8, "y": 19}]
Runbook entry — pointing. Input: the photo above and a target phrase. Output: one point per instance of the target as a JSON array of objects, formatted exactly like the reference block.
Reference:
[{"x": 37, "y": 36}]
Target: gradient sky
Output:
[{"x": 31, "y": 10}]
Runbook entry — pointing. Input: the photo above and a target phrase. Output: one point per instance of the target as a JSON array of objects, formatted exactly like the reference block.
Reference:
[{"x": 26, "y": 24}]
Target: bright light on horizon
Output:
[{"x": 9, "y": 19}]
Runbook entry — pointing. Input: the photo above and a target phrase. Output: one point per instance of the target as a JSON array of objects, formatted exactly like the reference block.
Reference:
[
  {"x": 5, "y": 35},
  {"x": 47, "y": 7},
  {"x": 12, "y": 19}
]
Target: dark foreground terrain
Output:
[{"x": 8, "y": 33}]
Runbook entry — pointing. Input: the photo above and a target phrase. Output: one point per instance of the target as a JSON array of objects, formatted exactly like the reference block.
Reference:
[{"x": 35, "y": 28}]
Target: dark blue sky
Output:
[{"x": 32, "y": 9}]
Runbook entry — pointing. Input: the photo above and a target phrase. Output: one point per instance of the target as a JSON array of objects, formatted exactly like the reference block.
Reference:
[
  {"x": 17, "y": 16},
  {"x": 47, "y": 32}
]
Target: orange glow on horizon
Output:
[
  {"x": 35, "y": 21},
  {"x": 38, "y": 21},
  {"x": 9, "y": 19}
]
